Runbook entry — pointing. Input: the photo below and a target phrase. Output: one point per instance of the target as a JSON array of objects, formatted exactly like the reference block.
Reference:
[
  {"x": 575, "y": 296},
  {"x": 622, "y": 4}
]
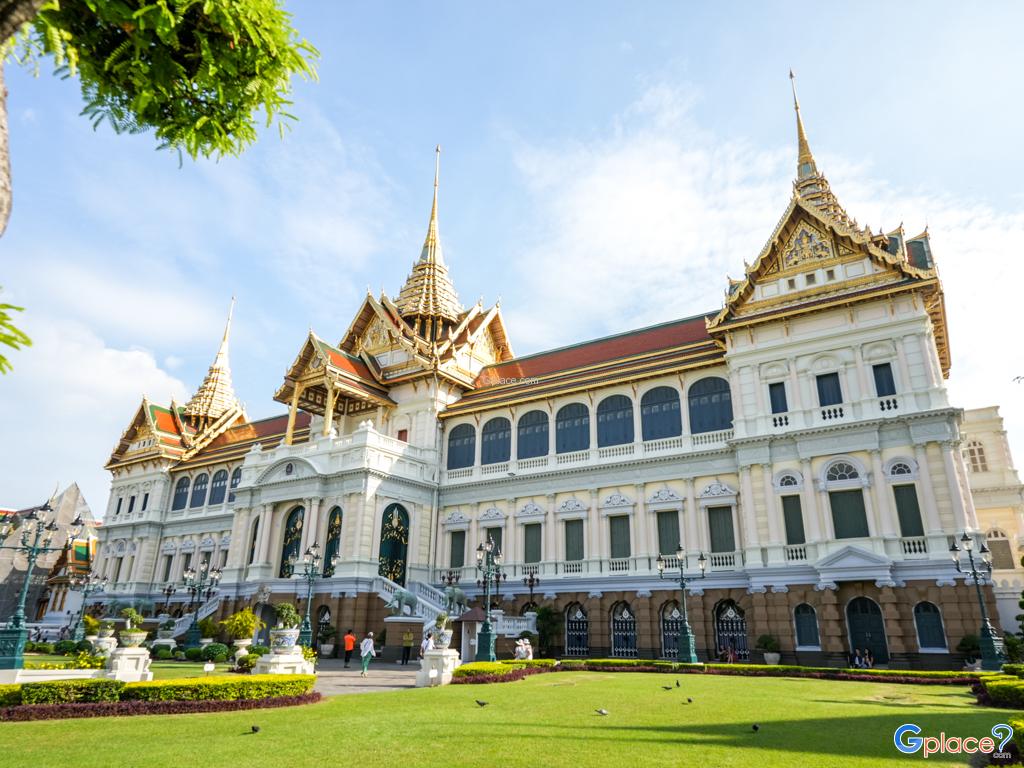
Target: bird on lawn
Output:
[
  {"x": 689, "y": 701},
  {"x": 756, "y": 727},
  {"x": 677, "y": 683},
  {"x": 481, "y": 703},
  {"x": 255, "y": 729},
  {"x": 602, "y": 712},
  {"x": 666, "y": 687}
]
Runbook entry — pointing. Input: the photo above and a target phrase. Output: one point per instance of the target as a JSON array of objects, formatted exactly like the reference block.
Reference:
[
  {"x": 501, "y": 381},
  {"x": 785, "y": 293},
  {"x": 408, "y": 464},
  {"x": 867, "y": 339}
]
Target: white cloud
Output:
[{"x": 643, "y": 224}]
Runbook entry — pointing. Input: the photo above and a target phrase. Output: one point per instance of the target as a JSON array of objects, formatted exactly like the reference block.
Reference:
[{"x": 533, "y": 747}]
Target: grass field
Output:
[{"x": 545, "y": 720}]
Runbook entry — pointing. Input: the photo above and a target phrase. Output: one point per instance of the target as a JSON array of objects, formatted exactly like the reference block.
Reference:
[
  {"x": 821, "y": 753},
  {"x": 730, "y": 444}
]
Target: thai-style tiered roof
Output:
[
  {"x": 234, "y": 443},
  {"x": 216, "y": 396}
]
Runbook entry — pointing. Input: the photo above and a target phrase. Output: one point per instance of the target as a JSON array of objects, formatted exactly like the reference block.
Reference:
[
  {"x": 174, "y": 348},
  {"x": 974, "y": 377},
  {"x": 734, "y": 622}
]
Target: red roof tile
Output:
[{"x": 257, "y": 430}]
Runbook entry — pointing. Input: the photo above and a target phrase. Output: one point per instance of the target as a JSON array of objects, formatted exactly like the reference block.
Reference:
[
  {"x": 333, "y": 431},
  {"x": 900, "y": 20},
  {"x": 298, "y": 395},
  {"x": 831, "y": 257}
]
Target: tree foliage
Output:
[
  {"x": 9, "y": 335},
  {"x": 196, "y": 72}
]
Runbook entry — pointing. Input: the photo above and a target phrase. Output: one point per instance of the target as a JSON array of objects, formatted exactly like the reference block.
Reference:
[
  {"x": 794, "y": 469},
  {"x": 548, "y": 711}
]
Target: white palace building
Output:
[{"x": 799, "y": 435}]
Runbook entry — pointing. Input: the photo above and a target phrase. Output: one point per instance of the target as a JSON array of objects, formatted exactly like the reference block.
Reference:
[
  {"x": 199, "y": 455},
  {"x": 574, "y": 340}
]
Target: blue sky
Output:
[{"x": 603, "y": 167}]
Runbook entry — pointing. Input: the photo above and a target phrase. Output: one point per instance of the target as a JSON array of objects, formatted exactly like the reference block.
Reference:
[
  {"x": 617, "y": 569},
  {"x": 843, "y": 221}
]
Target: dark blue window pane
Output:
[
  {"x": 532, "y": 439},
  {"x": 659, "y": 414},
  {"x": 219, "y": 487},
  {"x": 777, "y": 394},
  {"x": 461, "y": 446},
  {"x": 806, "y": 626},
  {"x": 710, "y": 405},
  {"x": 885, "y": 385},
  {"x": 614, "y": 421},
  {"x": 829, "y": 391},
  {"x": 236, "y": 478},
  {"x": 180, "y": 494},
  {"x": 199, "y": 491},
  {"x": 495, "y": 441},
  {"x": 929, "y": 626},
  {"x": 572, "y": 428}
]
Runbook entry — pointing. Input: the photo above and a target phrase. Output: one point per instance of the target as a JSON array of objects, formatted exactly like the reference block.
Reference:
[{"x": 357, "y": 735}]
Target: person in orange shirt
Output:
[{"x": 350, "y": 645}]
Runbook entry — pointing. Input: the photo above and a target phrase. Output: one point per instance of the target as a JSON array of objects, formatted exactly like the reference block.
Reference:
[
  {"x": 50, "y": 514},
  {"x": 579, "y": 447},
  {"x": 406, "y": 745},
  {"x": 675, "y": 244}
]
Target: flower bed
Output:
[{"x": 136, "y": 707}]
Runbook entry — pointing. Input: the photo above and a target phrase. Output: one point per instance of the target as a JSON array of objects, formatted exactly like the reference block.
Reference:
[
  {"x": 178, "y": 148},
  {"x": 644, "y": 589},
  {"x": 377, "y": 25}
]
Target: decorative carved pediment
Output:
[
  {"x": 456, "y": 517},
  {"x": 531, "y": 509},
  {"x": 717, "y": 489},
  {"x": 618, "y": 500},
  {"x": 664, "y": 496},
  {"x": 572, "y": 505},
  {"x": 806, "y": 244},
  {"x": 492, "y": 513}
]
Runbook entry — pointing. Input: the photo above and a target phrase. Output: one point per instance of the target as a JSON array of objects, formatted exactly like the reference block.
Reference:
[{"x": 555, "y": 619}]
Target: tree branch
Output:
[
  {"x": 14, "y": 13},
  {"x": 6, "y": 193}
]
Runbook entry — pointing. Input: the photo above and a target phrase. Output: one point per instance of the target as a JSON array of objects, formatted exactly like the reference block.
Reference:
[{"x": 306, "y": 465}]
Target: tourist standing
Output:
[
  {"x": 869, "y": 659},
  {"x": 427, "y": 644},
  {"x": 366, "y": 652},
  {"x": 407, "y": 641},
  {"x": 350, "y": 645}
]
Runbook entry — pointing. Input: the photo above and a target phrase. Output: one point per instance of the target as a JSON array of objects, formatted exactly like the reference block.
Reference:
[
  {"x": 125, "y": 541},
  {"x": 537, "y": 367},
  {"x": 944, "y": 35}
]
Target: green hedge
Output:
[
  {"x": 1005, "y": 692},
  {"x": 66, "y": 691},
  {"x": 10, "y": 695},
  {"x": 487, "y": 668},
  {"x": 1014, "y": 669},
  {"x": 783, "y": 670},
  {"x": 1018, "y": 734},
  {"x": 226, "y": 688},
  {"x": 528, "y": 663}
]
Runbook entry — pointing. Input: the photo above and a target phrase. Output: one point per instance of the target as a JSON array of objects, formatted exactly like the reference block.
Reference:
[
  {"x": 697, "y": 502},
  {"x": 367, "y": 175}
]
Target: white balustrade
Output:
[
  {"x": 796, "y": 553},
  {"x": 914, "y": 546}
]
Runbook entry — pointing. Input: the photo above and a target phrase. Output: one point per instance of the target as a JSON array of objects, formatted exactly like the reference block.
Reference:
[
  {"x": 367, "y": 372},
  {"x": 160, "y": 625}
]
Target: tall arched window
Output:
[
  {"x": 975, "y": 453},
  {"x": 572, "y": 428},
  {"x": 930, "y": 634},
  {"x": 292, "y": 541},
  {"x": 532, "y": 439},
  {"x": 614, "y": 421},
  {"x": 333, "y": 541},
  {"x": 236, "y": 478},
  {"x": 180, "y": 493},
  {"x": 199, "y": 491},
  {"x": 659, "y": 414},
  {"x": 461, "y": 446},
  {"x": 710, "y": 405},
  {"x": 496, "y": 441},
  {"x": 219, "y": 486},
  {"x": 846, "y": 499},
  {"x": 806, "y": 621},
  {"x": 623, "y": 631},
  {"x": 577, "y": 631}
]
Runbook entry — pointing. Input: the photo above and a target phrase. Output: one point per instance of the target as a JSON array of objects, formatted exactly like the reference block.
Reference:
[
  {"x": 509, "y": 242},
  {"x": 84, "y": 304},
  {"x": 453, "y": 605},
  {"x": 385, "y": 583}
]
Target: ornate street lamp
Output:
[
  {"x": 36, "y": 539},
  {"x": 169, "y": 590},
  {"x": 88, "y": 584},
  {"x": 199, "y": 583},
  {"x": 449, "y": 579},
  {"x": 992, "y": 656},
  {"x": 312, "y": 570},
  {"x": 488, "y": 562},
  {"x": 531, "y": 582},
  {"x": 687, "y": 653}
]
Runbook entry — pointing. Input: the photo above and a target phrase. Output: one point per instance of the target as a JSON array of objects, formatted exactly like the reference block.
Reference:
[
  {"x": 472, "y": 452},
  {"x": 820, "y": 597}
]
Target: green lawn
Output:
[{"x": 545, "y": 720}]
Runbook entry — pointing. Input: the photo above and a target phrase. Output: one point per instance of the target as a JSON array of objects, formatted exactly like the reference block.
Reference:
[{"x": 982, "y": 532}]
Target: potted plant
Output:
[
  {"x": 442, "y": 630},
  {"x": 91, "y": 626},
  {"x": 106, "y": 628},
  {"x": 769, "y": 646},
  {"x": 326, "y": 638},
  {"x": 133, "y": 634},
  {"x": 970, "y": 647},
  {"x": 165, "y": 631},
  {"x": 286, "y": 634},
  {"x": 207, "y": 631},
  {"x": 241, "y": 627}
]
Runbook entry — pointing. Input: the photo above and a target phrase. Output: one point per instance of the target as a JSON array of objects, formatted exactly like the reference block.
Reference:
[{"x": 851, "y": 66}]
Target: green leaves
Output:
[
  {"x": 10, "y": 336},
  {"x": 195, "y": 73}
]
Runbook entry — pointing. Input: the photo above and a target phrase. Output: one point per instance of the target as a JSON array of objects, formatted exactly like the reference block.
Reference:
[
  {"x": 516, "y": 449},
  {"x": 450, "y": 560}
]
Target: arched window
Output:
[
  {"x": 806, "y": 621},
  {"x": 572, "y": 428},
  {"x": 614, "y": 421},
  {"x": 496, "y": 441},
  {"x": 219, "y": 486},
  {"x": 623, "y": 631},
  {"x": 841, "y": 470},
  {"x": 1002, "y": 552},
  {"x": 659, "y": 414},
  {"x": 789, "y": 481},
  {"x": 930, "y": 634},
  {"x": 710, "y": 405},
  {"x": 846, "y": 500},
  {"x": 671, "y": 625},
  {"x": 180, "y": 493},
  {"x": 532, "y": 439},
  {"x": 975, "y": 454},
  {"x": 900, "y": 469},
  {"x": 292, "y": 541},
  {"x": 730, "y": 631},
  {"x": 333, "y": 541},
  {"x": 199, "y": 491},
  {"x": 461, "y": 446},
  {"x": 252, "y": 541},
  {"x": 577, "y": 631},
  {"x": 394, "y": 543},
  {"x": 236, "y": 478}
]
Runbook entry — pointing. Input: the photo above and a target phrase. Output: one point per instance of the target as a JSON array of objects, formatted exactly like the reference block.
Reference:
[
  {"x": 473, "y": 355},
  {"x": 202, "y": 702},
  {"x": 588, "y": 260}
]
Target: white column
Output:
[
  {"x": 812, "y": 515},
  {"x": 749, "y": 526},
  {"x": 594, "y": 551},
  {"x": 795, "y": 395},
  {"x": 886, "y": 520},
  {"x": 771, "y": 506},
  {"x": 266, "y": 523},
  {"x": 638, "y": 427},
  {"x": 552, "y": 432},
  {"x": 309, "y": 530},
  {"x": 549, "y": 533},
  {"x": 932, "y": 521},
  {"x": 955, "y": 496},
  {"x": 736, "y": 393},
  {"x": 930, "y": 361},
  {"x": 690, "y": 514},
  {"x": 901, "y": 365},
  {"x": 477, "y": 444},
  {"x": 862, "y": 373},
  {"x": 513, "y": 450},
  {"x": 641, "y": 545},
  {"x": 592, "y": 421}
]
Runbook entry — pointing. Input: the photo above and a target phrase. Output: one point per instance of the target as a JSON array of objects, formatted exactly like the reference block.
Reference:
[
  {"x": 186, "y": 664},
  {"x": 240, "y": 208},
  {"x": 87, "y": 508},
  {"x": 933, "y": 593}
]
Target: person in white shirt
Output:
[
  {"x": 366, "y": 652},
  {"x": 427, "y": 644}
]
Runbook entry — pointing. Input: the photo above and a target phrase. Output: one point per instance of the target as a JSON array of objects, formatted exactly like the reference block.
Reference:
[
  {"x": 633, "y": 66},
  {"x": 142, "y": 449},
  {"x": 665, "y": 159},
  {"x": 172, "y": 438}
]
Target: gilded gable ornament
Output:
[
  {"x": 376, "y": 335},
  {"x": 806, "y": 244}
]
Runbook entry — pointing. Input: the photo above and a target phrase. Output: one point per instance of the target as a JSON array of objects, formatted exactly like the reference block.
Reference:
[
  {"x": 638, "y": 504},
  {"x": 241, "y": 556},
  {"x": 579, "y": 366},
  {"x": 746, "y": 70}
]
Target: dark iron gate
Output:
[
  {"x": 671, "y": 624},
  {"x": 867, "y": 630},
  {"x": 577, "y": 631},
  {"x": 623, "y": 632},
  {"x": 731, "y": 631},
  {"x": 394, "y": 543}
]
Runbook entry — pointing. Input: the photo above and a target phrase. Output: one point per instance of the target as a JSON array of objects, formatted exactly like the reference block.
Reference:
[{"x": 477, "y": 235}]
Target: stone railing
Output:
[
  {"x": 796, "y": 553},
  {"x": 914, "y": 546}
]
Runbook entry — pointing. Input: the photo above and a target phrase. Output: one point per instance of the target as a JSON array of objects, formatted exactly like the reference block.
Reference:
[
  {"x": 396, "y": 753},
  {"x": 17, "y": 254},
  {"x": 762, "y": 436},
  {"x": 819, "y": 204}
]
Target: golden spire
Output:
[
  {"x": 429, "y": 292},
  {"x": 805, "y": 166},
  {"x": 215, "y": 395}
]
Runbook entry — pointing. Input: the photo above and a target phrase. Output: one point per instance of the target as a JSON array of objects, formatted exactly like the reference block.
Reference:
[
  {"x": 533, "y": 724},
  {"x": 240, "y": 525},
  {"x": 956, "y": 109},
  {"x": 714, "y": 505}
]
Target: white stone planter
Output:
[
  {"x": 132, "y": 638},
  {"x": 92, "y": 638},
  {"x": 282, "y": 641},
  {"x": 772, "y": 658},
  {"x": 326, "y": 649},
  {"x": 242, "y": 648},
  {"x": 442, "y": 638},
  {"x": 205, "y": 641},
  {"x": 104, "y": 632}
]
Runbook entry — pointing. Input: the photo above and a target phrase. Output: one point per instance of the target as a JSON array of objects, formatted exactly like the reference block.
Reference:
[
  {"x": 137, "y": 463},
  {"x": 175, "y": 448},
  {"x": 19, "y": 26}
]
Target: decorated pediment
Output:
[
  {"x": 806, "y": 244},
  {"x": 293, "y": 469},
  {"x": 531, "y": 509},
  {"x": 492, "y": 513},
  {"x": 853, "y": 563},
  {"x": 572, "y": 505}
]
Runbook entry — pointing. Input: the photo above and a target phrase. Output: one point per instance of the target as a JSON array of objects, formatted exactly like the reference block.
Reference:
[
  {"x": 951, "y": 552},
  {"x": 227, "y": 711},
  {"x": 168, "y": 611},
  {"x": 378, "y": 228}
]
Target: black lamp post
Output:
[
  {"x": 992, "y": 656},
  {"x": 311, "y": 571},
  {"x": 201, "y": 582},
  {"x": 88, "y": 584},
  {"x": 449, "y": 579},
  {"x": 531, "y": 582},
  {"x": 169, "y": 590},
  {"x": 36, "y": 539},
  {"x": 488, "y": 562},
  {"x": 687, "y": 653}
]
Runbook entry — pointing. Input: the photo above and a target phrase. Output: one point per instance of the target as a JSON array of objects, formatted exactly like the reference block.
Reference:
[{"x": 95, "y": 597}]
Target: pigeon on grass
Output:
[
  {"x": 481, "y": 703},
  {"x": 602, "y": 712}
]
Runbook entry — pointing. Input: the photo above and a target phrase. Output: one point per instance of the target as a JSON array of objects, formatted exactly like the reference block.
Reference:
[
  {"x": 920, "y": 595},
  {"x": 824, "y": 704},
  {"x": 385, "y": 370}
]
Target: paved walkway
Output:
[{"x": 333, "y": 678}]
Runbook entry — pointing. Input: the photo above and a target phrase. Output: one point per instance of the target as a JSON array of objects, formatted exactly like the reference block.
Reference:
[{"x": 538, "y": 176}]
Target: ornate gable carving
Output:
[
  {"x": 531, "y": 509},
  {"x": 572, "y": 505},
  {"x": 376, "y": 336},
  {"x": 663, "y": 496},
  {"x": 806, "y": 244}
]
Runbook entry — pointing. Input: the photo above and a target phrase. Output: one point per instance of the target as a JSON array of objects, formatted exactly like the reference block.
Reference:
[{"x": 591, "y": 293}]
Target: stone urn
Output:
[
  {"x": 132, "y": 638},
  {"x": 326, "y": 649},
  {"x": 106, "y": 632},
  {"x": 282, "y": 641},
  {"x": 442, "y": 638},
  {"x": 92, "y": 639},
  {"x": 242, "y": 647},
  {"x": 771, "y": 658},
  {"x": 205, "y": 641},
  {"x": 165, "y": 634}
]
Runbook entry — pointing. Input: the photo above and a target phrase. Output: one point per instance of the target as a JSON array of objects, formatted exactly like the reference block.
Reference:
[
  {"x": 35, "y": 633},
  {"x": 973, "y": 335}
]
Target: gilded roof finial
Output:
[
  {"x": 216, "y": 394},
  {"x": 805, "y": 166},
  {"x": 432, "y": 244}
]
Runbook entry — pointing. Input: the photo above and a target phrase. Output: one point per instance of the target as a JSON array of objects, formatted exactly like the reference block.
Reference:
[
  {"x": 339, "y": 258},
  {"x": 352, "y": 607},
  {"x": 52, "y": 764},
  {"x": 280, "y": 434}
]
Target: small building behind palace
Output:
[{"x": 798, "y": 435}]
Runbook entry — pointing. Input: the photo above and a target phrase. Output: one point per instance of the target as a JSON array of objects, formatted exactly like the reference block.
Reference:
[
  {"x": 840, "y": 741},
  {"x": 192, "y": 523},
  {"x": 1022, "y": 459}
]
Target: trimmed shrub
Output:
[
  {"x": 179, "y": 655},
  {"x": 259, "y": 650},
  {"x": 67, "y": 691},
  {"x": 83, "y": 646},
  {"x": 10, "y": 695},
  {"x": 213, "y": 650},
  {"x": 246, "y": 663},
  {"x": 1018, "y": 734},
  {"x": 65, "y": 647},
  {"x": 528, "y": 663},
  {"x": 31, "y": 647},
  {"x": 128, "y": 708},
  {"x": 487, "y": 668},
  {"x": 194, "y": 654},
  {"x": 1014, "y": 669},
  {"x": 222, "y": 688},
  {"x": 163, "y": 653},
  {"x": 1003, "y": 692}
]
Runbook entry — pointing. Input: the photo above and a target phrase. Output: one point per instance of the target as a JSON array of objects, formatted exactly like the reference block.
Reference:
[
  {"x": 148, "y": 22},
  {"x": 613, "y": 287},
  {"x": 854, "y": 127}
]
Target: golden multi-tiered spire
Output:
[
  {"x": 810, "y": 184},
  {"x": 428, "y": 298},
  {"x": 215, "y": 395}
]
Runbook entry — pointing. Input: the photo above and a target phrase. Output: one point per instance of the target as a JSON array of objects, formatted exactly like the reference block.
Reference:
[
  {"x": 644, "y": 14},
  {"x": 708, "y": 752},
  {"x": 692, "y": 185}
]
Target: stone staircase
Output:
[
  {"x": 208, "y": 608},
  {"x": 430, "y": 600}
]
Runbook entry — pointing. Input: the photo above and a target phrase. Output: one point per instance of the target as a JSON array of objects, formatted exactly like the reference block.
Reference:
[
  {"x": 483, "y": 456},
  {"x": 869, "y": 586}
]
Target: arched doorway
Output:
[
  {"x": 867, "y": 628},
  {"x": 323, "y": 620},
  {"x": 671, "y": 624},
  {"x": 577, "y": 631},
  {"x": 623, "y": 631},
  {"x": 730, "y": 631},
  {"x": 394, "y": 543},
  {"x": 292, "y": 542}
]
